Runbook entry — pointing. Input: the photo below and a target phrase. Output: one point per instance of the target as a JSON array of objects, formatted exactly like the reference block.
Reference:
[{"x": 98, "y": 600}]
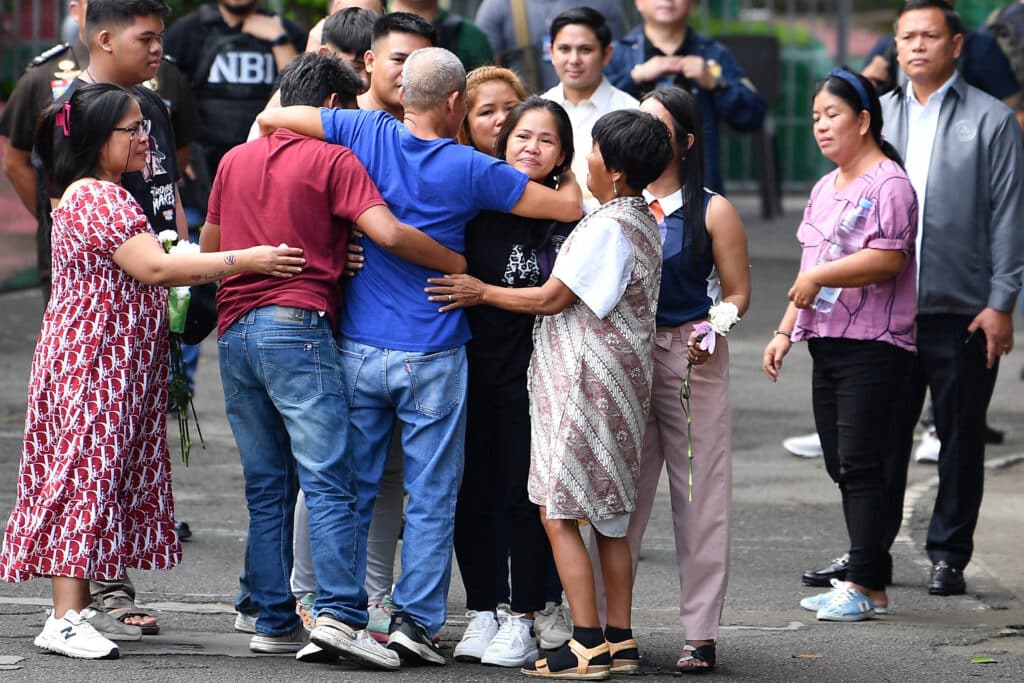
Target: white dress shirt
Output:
[
  {"x": 583, "y": 117},
  {"x": 922, "y": 123}
]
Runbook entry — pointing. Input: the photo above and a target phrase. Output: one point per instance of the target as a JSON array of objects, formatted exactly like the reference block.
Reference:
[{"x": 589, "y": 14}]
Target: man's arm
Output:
[
  {"x": 738, "y": 103},
  {"x": 1007, "y": 239},
  {"x": 540, "y": 201},
  {"x": 408, "y": 243},
  {"x": 300, "y": 119},
  {"x": 18, "y": 167},
  {"x": 209, "y": 237},
  {"x": 272, "y": 29}
]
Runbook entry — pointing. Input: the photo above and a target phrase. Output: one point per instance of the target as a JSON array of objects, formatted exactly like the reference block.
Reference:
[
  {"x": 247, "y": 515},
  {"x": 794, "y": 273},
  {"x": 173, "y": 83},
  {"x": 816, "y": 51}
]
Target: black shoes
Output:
[
  {"x": 946, "y": 580},
  {"x": 411, "y": 642},
  {"x": 836, "y": 569},
  {"x": 822, "y": 578},
  {"x": 183, "y": 530}
]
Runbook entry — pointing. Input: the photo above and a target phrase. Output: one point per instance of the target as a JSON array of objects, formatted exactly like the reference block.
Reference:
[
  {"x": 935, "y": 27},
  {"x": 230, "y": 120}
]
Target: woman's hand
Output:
[
  {"x": 776, "y": 350},
  {"x": 455, "y": 291},
  {"x": 695, "y": 355},
  {"x": 281, "y": 261},
  {"x": 804, "y": 290}
]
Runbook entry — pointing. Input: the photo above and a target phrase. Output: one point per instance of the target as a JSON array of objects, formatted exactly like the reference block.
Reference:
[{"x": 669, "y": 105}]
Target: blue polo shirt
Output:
[{"x": 436, "y": 186}]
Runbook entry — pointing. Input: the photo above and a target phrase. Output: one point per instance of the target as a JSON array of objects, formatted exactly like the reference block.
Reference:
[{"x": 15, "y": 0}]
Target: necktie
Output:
[{"x": 659, "y": 215}]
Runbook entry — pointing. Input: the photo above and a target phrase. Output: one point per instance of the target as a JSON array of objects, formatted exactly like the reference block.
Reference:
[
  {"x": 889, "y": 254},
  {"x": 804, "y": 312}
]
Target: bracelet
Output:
[
  {"x": 787, "y": 335},
  {"x": 280, "y": 40}
]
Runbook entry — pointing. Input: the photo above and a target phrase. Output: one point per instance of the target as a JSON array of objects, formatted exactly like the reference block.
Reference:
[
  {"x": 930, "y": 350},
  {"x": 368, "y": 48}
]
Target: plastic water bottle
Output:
[{"x": 847, "y": 241}]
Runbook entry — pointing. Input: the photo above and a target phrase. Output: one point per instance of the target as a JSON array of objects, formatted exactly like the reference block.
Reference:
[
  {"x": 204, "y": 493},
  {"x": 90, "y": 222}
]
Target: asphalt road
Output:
[{"x": 787, "y": 518}]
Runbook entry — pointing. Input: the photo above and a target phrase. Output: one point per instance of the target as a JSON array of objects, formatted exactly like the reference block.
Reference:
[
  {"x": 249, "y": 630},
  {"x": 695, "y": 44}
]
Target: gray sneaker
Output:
[
  {"x": 286, "y": 643},
  {"x": 553, "y": 626},
  {"x": 109, "y": 627},
  {"x": 245, "y": 623},
  {"x": 358, "y": 647}
]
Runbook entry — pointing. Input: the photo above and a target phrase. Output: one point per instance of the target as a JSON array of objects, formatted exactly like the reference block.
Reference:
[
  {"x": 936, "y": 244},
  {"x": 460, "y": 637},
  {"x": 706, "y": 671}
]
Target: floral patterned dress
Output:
[
  {"x": 94, "y": 487},
  {"x": 590, "y": 385}
]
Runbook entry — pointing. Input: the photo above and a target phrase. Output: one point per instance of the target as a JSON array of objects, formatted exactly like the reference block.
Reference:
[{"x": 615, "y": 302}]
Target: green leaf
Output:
[{"x": 983, "y": 659}]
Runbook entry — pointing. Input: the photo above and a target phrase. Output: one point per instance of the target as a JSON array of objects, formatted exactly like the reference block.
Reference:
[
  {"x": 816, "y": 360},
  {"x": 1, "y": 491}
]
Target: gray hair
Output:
[{"x": 429, "y": 75}]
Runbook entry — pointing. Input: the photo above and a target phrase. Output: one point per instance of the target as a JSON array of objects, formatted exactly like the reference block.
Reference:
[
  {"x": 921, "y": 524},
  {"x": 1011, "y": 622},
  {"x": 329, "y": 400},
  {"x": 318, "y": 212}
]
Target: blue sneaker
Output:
[
  {"x": 847, "y": 604},
  {"x": 816, "y": 602}
]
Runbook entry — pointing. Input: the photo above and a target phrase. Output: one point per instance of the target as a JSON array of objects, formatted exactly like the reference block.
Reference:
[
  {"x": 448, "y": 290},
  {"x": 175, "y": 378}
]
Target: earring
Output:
[{"x": 615, "y": 188}]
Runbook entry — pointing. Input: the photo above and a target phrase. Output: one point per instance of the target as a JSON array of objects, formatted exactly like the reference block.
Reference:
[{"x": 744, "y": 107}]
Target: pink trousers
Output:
[{"x": 701, "y": 527}]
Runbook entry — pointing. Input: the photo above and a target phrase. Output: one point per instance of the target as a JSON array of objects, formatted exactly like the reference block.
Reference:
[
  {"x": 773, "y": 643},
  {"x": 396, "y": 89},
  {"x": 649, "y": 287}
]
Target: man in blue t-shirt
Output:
[{"x": 403, "y": 359}]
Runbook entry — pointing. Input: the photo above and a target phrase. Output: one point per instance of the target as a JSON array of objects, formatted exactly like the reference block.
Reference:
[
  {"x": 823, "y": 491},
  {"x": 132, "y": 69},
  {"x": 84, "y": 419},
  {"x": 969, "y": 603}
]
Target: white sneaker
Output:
[
  {"x": 928, "y": 449},
  {"x": 481, "y": 629},
  {"x": 286, "y": 643},
  {"x": 358, "y": 647},
  {"x": 73, "y": 636},
  {"x": 311, "y": 652},
  {"x": 553, "y": 625},
  {"x": 513, "y": 645},
  {"x": 804, "y": 446}
]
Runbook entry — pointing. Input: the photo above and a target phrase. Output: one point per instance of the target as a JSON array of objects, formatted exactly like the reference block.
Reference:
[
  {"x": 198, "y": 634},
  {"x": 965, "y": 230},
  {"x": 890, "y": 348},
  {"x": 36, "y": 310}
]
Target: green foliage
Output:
[{"x": 304, "y": 12}]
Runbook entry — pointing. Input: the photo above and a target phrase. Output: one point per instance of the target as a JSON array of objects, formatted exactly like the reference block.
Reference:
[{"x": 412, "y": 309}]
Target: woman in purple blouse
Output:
[{"x": 861, "y": 347}]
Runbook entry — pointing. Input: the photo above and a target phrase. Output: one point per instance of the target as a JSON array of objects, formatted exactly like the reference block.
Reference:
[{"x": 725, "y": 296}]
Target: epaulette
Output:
[{"x": 50, "y": 54}]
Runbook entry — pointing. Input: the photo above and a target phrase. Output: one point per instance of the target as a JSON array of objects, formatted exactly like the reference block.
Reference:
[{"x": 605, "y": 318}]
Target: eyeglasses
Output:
[{"x": 142, "y": 126}]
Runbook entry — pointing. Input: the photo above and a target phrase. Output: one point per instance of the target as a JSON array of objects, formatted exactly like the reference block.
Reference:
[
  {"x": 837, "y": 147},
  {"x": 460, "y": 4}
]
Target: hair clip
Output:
[{"x": 64, "y": 118}]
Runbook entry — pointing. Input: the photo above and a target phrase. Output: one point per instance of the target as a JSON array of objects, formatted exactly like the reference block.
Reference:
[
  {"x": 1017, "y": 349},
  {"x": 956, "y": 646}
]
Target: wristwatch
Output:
[
  {"x": 715, "y": 69},
  {"x": 280, "y": 40}
]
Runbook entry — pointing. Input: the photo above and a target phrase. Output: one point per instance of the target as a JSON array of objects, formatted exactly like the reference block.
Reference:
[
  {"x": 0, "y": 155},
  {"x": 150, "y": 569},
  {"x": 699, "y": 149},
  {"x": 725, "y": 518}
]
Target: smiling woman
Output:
[
  {"x": 103, "y": 502},
  {"x": 535, "y": 137}
]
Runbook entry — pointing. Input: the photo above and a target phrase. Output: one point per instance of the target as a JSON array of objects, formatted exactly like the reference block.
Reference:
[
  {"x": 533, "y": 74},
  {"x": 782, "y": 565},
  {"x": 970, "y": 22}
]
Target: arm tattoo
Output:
[{"x": 230, "y": 259}]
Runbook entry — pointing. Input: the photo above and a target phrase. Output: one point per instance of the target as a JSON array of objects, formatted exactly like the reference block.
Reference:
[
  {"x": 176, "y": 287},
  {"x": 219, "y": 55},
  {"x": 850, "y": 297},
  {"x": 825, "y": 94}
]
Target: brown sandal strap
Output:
[
  {"x": 585, "y": 655},
  {"x": 628, "y": 644}
]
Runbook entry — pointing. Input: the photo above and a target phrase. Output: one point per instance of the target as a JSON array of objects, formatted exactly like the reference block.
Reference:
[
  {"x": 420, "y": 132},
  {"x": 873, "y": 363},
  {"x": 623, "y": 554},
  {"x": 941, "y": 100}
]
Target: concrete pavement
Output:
[{"x": 787, "y": 519}]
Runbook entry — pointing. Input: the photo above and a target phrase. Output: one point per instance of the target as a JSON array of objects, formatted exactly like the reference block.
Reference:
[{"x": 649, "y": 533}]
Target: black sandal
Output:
[{"x": 691, "y": 653}]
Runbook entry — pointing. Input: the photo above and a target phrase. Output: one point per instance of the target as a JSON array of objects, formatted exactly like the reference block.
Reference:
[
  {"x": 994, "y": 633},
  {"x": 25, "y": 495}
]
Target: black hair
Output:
[
  {"x": 635, "y": 143},
  {"x": 349, "y": 30},
  {"x": 311, "y": 78},
  {"x": 562, "y": 125},
  {"x": 122, "y": 12},
  {"x": 404, "y": 22},
  {"x": 69, "y": 136},
  {"x": 586, "y": 16},
  {"x": 953, "y": 21},
  {"x": 685, "y": 113},
  {"x": 844, "y": 90}
]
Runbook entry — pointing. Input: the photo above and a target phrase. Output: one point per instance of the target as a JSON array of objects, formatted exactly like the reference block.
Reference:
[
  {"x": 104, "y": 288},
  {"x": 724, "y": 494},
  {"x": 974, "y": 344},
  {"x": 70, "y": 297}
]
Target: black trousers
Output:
[
  {"x": 857, "y": 386},
  {"x": 951, "y": 363},
  {"x": 494, "y": 483}
]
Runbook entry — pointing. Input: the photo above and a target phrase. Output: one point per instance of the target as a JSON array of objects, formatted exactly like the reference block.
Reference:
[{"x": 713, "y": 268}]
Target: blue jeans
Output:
[
  {"x": 285, "y": 400},
  {"x": 426, "y": 393}
]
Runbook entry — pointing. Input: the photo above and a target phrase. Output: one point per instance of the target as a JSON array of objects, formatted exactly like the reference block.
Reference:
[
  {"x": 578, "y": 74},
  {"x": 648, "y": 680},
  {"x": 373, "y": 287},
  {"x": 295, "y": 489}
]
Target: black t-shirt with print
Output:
[
  {"x": 153, "y": 187},
  {"x": 501, "y": 249}
]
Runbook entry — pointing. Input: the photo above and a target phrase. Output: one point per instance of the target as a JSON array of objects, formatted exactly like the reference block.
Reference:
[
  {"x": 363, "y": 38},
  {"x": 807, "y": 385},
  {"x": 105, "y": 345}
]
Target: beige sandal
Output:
[
  {"x": 584, "y": 671},
  {"x": 624, "y": 666}
]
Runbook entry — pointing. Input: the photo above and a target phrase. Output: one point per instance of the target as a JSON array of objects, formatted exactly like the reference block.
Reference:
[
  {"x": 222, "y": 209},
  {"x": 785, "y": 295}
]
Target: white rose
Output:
[
  {"x": 166, "y": 236},
  {"x": 723, "y": 316},
  {"x": 184, "y": 247}
]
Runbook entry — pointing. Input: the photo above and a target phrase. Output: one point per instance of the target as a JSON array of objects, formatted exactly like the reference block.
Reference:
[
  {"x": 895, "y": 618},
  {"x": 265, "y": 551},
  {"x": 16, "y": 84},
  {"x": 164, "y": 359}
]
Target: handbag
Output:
[{"x": 201, "y": 318}]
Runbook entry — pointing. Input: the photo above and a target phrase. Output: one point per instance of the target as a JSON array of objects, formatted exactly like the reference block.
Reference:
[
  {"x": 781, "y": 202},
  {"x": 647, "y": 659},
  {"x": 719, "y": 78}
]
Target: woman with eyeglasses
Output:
[
  {"x": 854, "y": 302},
  {"x": 94, "y": 485}
]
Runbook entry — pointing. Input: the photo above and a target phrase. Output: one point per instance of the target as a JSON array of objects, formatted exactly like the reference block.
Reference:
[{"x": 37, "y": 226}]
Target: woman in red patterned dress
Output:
[{"x": 94, "y": 488}]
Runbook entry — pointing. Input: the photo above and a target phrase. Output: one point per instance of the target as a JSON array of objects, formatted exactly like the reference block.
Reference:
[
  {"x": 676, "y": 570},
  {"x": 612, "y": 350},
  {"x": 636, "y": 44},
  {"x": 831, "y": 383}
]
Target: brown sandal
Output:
[
  {"x": 584, "y": 671},
  {"x": 624, "y": 665}
]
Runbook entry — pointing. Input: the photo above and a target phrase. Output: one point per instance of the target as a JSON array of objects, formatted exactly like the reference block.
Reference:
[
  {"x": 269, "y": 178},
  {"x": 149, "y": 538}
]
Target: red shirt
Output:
[{"x": 288, "y": 189}]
